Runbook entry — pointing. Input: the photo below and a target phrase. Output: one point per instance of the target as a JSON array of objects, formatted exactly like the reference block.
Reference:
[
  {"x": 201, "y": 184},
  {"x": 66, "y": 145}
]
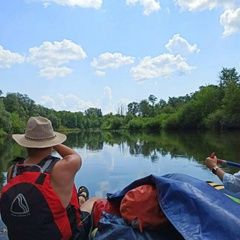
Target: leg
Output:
[
  {"x": 83, "y": 195},
  {"x": 85, "y": 203},
  {"x": 88, "y": 205}
]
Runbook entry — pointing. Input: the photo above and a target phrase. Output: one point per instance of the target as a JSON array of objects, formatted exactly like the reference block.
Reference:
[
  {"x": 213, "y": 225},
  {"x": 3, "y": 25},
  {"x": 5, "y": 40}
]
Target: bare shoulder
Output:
[{"x": 71, "y": 163}]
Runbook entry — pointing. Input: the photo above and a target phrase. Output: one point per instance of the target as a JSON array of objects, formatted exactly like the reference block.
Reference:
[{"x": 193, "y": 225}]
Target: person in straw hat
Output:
[{"x": 40, "y": 200}]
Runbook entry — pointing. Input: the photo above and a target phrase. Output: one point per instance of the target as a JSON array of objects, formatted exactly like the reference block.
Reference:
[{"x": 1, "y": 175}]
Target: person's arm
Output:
[
  {"x": 230, "y": 181},
  {"x": 70, "y": 158},
  {"x": 211, "y": 163},
  {"x": 64, "y": 171}
]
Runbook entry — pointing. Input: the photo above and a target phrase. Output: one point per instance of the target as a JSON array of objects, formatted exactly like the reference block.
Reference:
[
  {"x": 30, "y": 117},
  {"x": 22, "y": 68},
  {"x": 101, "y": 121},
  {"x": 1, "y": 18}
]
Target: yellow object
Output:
[{"x": 94, "y": 231}]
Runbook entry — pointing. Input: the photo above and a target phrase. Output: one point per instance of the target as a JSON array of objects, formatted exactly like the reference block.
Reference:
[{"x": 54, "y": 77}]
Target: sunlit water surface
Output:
[{"x": 113, "y": 168}]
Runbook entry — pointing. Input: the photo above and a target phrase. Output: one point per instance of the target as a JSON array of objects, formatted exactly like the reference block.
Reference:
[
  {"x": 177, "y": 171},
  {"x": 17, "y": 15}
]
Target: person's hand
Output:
[{"x": 211, "y": 162}]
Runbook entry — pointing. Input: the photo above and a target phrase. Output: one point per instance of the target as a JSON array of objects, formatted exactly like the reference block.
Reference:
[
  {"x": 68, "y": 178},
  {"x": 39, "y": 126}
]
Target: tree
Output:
[
  {"x": 121, "y": 109},
  {"x": 229, "y": 80},
  {"x": 116, "y": 123},
  {"x": 5, "y": 124},
  {"x": 11, "y": 102},
  {"x": 189, "y": 116},
  {"x": 229, "y": 76},
  {"x": 21, "y": 104},
  {"x": 93, "y": 112},
  {"x": 81, "y": 120},
  {"x": 159, "y": 107},
  {"x": 207, "y": 100},
  {"x": 133, "y": 108},
  {"x": 93, "y": 117},
  {"x": 144, "y": 109},
  {"x": 152, "y": 99},
  {"x": 17, "y": 124}
]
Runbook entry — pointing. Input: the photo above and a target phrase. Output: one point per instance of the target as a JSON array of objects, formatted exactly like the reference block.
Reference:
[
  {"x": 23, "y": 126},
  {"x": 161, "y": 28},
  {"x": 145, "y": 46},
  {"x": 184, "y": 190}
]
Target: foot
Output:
[{"x": 83, "y": 194}]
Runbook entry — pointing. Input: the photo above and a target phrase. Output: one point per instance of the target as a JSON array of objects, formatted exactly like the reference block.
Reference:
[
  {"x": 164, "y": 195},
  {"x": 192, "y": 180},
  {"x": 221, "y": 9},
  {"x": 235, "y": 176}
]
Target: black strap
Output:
[
  {"x": 48, "y": 163},
  {"x": 14, "y": 172},
  {"x": 40, "y": 180},
  {"x": 17, "y": 159},
  {"x": 45, "y": 166}
]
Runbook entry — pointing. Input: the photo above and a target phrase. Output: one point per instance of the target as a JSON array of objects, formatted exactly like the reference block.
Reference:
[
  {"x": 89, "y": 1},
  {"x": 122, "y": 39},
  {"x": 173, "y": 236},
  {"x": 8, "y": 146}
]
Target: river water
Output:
[{"x": 112, "y": 160}]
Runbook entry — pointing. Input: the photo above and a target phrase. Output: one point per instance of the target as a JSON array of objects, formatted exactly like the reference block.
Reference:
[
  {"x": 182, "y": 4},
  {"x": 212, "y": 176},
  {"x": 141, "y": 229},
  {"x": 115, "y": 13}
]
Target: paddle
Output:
[{"x": 221, "y": 161}]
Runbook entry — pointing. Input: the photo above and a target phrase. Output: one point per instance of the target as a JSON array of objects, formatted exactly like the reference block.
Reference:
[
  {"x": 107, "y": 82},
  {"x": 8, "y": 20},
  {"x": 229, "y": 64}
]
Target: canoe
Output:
[{"x": 192, "y": 207}]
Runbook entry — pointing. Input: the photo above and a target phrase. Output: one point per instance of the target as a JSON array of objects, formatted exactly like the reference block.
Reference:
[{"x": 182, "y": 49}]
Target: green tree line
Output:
[{"x": 211, "y": 107}]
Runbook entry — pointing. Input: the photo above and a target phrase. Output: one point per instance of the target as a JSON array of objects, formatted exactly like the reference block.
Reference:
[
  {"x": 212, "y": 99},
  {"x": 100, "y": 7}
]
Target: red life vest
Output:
[{"x": 30, "y": 207}]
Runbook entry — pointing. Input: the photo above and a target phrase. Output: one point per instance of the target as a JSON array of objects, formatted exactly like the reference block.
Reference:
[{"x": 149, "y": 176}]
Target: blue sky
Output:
[{"x": 76, "y": 54}]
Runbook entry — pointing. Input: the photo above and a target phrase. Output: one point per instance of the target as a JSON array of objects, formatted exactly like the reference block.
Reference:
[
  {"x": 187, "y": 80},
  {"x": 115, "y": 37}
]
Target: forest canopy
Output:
[{"x": 211, "y": 107}]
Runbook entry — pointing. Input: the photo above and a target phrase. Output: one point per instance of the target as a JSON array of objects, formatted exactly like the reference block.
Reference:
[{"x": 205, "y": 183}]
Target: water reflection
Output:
[{"x": 111, "y": 160}]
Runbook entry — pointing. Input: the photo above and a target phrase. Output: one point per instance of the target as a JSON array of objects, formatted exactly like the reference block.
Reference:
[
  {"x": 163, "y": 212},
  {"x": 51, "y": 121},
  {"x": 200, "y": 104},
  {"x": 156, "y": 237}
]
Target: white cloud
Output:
[
  {"x": 49, "y": 56},
  {"x": 7, "y": 58},
  {"x": 161, "y": 66},
  {"x": 179, "y": 45},
  {"x": 148, "y": 5},
  {"x": 111, "y": 60},
  {"x": 73, "y": 103},
  {"x": 105, "y": 101},
  {"x": 100, "y": 73},
  {"x": 76, "y": 3},
  {"x": 55, "y": 54},
  {"x": 108, "y": 92},
  {"x": 46, "y": 4},
  {"x": 196, "y": 5},
  {"x": 68, "y": 102},
  {"x": 52, "y": 72},
  {"x": 230, "y": 20},
  {"x": 48, "y": 102}
]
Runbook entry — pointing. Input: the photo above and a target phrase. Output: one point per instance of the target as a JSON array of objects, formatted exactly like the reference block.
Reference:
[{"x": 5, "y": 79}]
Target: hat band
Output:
[{"x": 40, "y": 139}]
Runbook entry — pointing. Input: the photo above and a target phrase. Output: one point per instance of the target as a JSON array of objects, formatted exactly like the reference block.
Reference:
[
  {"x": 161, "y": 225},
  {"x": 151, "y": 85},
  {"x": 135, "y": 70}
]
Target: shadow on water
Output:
[{"x": 189, "y": 145}]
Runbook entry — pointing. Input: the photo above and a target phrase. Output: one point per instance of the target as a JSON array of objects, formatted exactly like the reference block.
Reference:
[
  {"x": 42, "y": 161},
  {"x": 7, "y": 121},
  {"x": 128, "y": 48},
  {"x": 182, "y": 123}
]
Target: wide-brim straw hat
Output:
[{"x": 39, "y": 134}]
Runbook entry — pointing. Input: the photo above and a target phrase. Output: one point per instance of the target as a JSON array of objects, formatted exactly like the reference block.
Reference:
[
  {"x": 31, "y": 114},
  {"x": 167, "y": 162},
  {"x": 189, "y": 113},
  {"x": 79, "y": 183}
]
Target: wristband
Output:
[{"x": 214, "y": 170}]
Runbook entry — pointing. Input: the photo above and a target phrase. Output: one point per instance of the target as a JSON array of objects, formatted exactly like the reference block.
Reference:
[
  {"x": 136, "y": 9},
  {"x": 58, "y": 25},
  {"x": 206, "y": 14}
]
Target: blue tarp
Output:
[
  {"x": 194, "y": 208},
  {"x": 114, "y": 227}
]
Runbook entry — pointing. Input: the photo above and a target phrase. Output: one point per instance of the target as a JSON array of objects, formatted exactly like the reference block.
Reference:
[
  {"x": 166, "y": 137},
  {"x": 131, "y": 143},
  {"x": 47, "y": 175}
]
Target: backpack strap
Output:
[
  {"x": 48, "y": 163},
  {"x": 14, "y": 169},
  {"x": 44, "y": 166}
]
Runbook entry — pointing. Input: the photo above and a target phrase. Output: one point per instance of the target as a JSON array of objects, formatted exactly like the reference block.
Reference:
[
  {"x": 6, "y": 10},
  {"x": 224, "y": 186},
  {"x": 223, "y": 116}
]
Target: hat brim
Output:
[{"x": 25, "y": 142}]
